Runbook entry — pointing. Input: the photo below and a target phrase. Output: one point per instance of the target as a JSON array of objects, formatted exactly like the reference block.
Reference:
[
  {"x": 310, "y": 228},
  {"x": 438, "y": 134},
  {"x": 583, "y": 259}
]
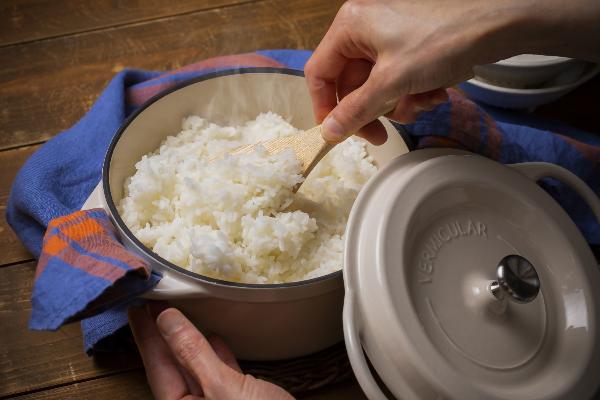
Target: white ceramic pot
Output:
[
  {"x": 259, "y": 322},
  {"x": 438, "y": 308}
]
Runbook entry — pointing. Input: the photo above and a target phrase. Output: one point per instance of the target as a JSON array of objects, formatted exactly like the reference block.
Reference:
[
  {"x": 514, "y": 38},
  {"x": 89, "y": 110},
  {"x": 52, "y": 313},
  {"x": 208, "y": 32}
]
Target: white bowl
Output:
[
  {"x": 522, "y": 98},
  {"x": 527, "y": 70}
]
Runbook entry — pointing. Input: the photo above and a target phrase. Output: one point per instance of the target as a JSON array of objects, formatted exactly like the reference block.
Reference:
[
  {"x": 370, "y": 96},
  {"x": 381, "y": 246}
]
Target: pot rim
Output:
[{"x": 146, "y": 251}]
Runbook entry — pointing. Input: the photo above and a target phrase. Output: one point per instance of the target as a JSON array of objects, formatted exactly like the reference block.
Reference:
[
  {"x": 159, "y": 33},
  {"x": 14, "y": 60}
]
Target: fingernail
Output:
[
  {"x": 332, "y": 130},
  {"x": 169, "y": 322}
]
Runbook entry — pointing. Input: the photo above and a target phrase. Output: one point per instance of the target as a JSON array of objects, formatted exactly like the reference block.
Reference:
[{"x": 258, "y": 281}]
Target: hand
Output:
[
  {"x": 393, "y": 57},
  {"x": 181, "y": 363}
]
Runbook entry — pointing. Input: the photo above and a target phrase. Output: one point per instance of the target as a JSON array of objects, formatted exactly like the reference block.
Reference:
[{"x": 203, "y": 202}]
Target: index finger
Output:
[{"x": 322, "y": 71}]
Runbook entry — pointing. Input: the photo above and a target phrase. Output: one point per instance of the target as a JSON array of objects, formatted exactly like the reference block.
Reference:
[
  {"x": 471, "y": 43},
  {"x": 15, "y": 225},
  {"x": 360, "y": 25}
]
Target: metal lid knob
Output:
[{"x": 517, "y": 280}]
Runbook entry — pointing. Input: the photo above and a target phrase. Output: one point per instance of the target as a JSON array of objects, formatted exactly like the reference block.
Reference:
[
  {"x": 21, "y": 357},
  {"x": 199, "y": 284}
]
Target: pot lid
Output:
[{"x": 465, "y": 280}]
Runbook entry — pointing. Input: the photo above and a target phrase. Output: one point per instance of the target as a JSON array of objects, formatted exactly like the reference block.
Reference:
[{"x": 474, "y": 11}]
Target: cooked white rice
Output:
[{"x": 236, "y": 218}]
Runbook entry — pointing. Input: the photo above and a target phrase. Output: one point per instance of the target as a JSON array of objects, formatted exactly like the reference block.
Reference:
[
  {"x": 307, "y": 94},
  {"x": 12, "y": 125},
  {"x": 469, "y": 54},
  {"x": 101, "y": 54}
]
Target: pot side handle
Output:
[
  {"x": 96, "y": 199},
  {"x": 538, "y": 170},
  {"x": 354, "y": 348},
  {"x": 170, "y": 288}
]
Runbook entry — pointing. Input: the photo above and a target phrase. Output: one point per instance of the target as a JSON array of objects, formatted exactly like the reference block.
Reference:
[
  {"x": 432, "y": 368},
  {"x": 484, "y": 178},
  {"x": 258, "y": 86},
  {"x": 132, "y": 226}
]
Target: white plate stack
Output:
[{"x": 527, "y": 80}]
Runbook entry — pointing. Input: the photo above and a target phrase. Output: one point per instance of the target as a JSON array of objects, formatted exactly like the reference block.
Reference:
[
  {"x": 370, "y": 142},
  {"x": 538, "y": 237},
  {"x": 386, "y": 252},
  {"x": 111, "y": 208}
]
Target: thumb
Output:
[
  {"x": 358, "y": 108},
  {"x": 195, "y": 353}
]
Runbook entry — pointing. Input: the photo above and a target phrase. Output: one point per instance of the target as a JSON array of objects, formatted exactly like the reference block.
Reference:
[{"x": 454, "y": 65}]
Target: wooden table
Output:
[{"x": 55, "y": 58}]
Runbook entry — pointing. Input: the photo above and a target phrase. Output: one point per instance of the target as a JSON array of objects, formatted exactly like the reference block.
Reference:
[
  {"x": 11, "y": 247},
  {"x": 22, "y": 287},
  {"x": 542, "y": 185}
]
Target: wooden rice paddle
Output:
[{"x": 309, "y": 146}]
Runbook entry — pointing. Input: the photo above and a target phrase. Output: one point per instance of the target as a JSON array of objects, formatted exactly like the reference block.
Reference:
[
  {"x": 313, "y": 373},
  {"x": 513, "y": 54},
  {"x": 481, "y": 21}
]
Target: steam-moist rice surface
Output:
[{"x": 236, "y": 218}]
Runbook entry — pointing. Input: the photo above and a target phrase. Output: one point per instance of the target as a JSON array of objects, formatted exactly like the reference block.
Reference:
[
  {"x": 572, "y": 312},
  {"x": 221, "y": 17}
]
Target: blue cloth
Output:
[
  {"x": 84, "y": 270},
  {"x": 59, "y": 177},
  {"x": 512, "y": 138}
]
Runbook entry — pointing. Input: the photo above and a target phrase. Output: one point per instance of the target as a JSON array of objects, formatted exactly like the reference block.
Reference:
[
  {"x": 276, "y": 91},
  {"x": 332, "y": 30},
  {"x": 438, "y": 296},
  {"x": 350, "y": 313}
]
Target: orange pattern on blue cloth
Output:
[{"x": 86, "y": 240}]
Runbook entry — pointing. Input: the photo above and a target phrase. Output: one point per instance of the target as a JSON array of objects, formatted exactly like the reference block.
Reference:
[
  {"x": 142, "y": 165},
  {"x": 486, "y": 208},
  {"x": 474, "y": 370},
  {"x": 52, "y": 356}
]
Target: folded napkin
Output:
[
  {"x": 84, "y": 270},
  {"x": 84, "y": 273}
]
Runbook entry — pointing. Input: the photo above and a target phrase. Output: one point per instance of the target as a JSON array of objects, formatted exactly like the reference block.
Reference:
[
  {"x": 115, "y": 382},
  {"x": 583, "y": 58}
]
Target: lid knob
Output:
[{"x": 517, "y": 280}]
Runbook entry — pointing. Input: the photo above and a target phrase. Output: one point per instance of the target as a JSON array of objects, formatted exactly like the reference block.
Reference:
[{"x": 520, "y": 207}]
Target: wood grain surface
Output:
[
  {"x": 132, "y": 385},
  {"x": 29, "y": 20},
  {"x": 33, "y": 360},
  {"x": 129, "y": 385},
  {"x": 45, "y": 86},
  {"x": 11, "y": 249}
]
